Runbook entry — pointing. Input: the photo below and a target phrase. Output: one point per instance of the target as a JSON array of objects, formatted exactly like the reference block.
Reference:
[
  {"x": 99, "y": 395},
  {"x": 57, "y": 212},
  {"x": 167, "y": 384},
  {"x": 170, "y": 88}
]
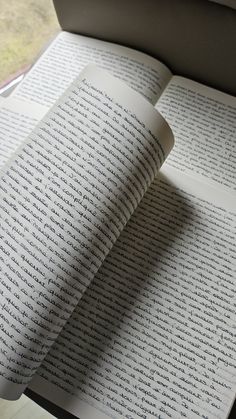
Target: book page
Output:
[
  {"x": 65, "y": 198},
  {"x": 17, "y": 120},
  {"x": 70, "y": 53},
  {"x": 204, "y": 124},
  {"x": 154, "y": 335}
]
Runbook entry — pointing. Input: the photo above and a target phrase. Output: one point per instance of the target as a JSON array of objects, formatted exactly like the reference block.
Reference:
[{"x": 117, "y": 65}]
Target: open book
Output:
[{"x": 117, "y": 278}]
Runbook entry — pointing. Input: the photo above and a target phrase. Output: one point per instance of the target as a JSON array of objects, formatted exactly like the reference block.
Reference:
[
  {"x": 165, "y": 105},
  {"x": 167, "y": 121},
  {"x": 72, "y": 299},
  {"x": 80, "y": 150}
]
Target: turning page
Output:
[
  {"x": 65, "y": 197},
  {"x": 70, "y": 53},
  {"x": 154, "y": 335}
]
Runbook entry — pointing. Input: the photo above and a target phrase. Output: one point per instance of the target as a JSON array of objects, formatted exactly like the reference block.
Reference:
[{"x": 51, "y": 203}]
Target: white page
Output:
[
  {"x": 69, "y": 54},
  {"x": 154, "y": 335},
  {"x": 17, "y": 120},
  {"x": 65, "y": 198},
  {"x": 204, "y": 124}
]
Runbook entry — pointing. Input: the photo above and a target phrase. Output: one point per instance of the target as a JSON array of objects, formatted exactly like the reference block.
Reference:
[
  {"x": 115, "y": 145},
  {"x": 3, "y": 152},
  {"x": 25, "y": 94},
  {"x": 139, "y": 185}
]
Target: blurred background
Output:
[{"x": 26, "y": 26}]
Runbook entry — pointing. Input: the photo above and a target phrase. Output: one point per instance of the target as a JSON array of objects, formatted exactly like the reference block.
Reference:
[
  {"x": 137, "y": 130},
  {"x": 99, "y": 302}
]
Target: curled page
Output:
[{"x": 65, "y": 197}]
